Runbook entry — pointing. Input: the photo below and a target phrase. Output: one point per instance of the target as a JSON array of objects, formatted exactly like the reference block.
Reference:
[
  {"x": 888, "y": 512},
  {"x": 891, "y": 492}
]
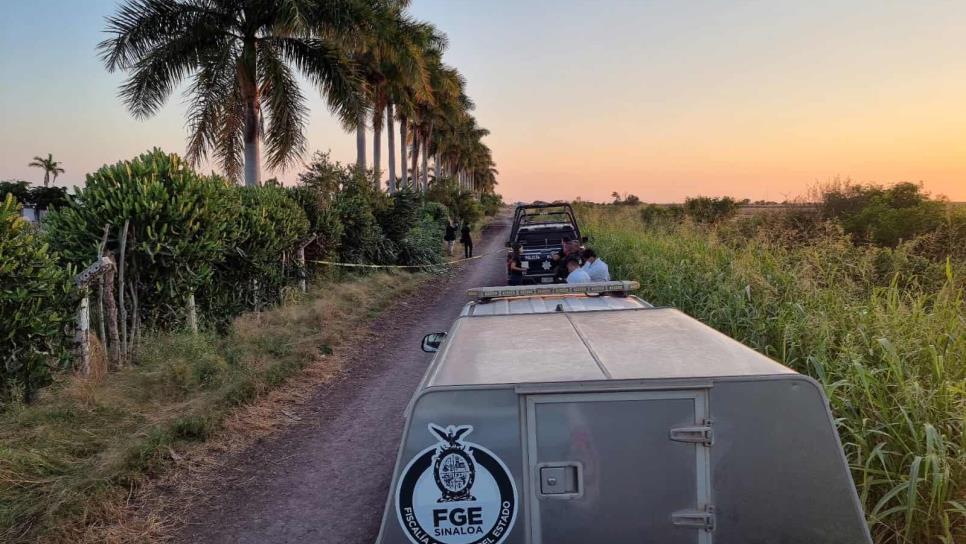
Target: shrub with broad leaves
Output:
[
  {"x": 36, "y": 303},
  {"x": 180, "y": 224}
]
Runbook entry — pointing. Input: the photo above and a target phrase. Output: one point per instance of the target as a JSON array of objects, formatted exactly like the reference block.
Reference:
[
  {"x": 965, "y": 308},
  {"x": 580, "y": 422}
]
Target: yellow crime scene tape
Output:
[{"x": 450, "y": 263}]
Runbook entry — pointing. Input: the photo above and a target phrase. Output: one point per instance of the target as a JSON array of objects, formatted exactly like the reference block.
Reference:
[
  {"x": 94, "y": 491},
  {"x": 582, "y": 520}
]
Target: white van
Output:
[{"x": 579, "y": 414}]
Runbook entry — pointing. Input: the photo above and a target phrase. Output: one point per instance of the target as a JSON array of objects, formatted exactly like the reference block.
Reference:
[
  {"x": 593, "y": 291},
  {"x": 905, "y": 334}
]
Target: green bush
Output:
[
  {"x": 491, "y": 203},
  {"x": 414, "y": 230},
  {"x": 268, "y": 227},
  {"x": 882, "y": 216},
  {"x": 363, "y": 240},
  {"x": 36, "y": 303},
  {"x": 463, "y": 205},
  {"x": 46, "y": 198},
  {"x": 401, "y": 214},
  {"x": 357, "y": 223},
  {"x": 179, "y": 227},
  {"x": 39, "y": 198},
  {"x": 652, "y": 214},
  {"x": 435, "y": 211},
  {"x": 316, "y": 193},
  {"x": 19, "y": 189},
  {"x": 703, "y": 209},
  {"x": 323, "y": 221},
  {"x": 422, "y": 244}
]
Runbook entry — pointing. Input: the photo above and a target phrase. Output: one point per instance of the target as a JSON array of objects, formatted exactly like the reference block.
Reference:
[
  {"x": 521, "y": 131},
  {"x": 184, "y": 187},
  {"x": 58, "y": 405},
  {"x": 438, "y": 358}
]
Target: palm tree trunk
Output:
[
  {"x": 376, "y": 152},
  {"x": 426, "y": 140},
  {"x": 425, "y": 166},
  {"x": 415, "y": 164},
  {"x": 249, "y": 91},
  {"x": 46, "y": 178},
  {"x": 391, "y": 140},
  {"x": 403, "y": 132},
  {"x": 253, "y": 158},
  {"x": 437, "y": 167},
  {"x": 361, "y": 142}
]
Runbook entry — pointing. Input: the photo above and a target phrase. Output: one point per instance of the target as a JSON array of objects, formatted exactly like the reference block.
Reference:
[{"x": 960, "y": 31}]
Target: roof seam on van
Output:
[{"x": 593, "y": 354}]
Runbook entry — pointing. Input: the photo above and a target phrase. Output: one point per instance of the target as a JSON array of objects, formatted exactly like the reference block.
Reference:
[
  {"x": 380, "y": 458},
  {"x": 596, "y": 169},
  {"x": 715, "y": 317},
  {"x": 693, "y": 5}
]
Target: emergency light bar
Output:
[{"x": 596, "y": 287}]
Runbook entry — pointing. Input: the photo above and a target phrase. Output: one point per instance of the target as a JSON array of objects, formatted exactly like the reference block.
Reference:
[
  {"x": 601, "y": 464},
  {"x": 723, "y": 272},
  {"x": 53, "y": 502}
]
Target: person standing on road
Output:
[
  {"x": 467, "y": 241},
  {"x": 450, "y": 237},
  {"x": 514, "y": 266},
  {"x": 577, "y": 274},
  {"x": 595, "y": 268}
]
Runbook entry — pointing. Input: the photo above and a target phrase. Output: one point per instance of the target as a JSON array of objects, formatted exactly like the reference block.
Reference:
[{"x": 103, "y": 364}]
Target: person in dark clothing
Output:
[
  {"x": 559, "y": 263},
  {"x": 466, "y": 240},
  {"x": 450, "y": 237},
  {"x": 514, "y": 266}
]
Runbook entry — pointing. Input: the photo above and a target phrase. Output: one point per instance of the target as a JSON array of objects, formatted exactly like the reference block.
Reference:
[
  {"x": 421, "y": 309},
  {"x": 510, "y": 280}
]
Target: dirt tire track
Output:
[{"x": 326, "y": 478}]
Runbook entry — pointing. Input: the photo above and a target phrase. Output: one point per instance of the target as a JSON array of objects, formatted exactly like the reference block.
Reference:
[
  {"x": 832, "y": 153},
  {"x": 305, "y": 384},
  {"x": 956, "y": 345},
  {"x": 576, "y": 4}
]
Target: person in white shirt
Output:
[
  {"x": 577, "y": 274},
  {"x": 595, "y": 268}
]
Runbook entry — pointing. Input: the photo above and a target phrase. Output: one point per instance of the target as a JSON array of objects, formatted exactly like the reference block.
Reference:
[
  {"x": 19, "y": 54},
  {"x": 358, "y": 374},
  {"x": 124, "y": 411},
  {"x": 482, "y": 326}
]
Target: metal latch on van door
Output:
[
  {"x": 560, "y": 479},
  {"x": 697, "y": 434},
  {"x": 697, "y": 519}
]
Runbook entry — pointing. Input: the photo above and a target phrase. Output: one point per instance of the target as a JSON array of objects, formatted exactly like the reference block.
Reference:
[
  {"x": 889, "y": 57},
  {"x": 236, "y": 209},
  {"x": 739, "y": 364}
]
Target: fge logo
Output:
[
  {"x": 459, "y": 516},
  {"x": 456, "y": 492},
  {"x": 460, "y": 520}
]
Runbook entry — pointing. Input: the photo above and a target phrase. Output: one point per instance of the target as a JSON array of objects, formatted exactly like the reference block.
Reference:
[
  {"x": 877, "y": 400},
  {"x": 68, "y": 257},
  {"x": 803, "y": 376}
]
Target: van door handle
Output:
[
  {"x": 696, "y": 519},
  {"x": 560, "y": 480}
]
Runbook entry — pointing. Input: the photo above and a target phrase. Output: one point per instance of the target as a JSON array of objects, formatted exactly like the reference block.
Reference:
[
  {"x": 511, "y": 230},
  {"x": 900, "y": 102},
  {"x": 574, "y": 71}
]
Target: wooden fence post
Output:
[
  {"x": 192, "y": 314},
  {"x": 301, "y": 258},
  {"x": 103, "y": 266},
  {"x": 83, "y": 333},
  {"x": 120, "y": 289},
  {"x": 110, "y": 315}
]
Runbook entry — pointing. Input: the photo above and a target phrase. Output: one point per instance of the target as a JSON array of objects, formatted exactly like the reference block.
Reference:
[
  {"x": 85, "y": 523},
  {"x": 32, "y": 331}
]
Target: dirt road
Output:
[{"x": 325, "y": 480}]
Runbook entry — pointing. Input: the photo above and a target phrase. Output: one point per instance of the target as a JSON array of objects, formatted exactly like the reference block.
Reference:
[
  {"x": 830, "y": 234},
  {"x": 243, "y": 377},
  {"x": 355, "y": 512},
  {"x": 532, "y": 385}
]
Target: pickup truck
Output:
[{"x": 540, "y": 228}]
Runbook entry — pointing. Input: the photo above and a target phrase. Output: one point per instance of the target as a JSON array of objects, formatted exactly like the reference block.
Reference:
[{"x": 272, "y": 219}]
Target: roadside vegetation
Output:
[
  {"x": 140, "y": 309},
  {"x": 865, "y": 293},
  {"x": 200, "y": 312},
  {"x": 69, "y": 459}
]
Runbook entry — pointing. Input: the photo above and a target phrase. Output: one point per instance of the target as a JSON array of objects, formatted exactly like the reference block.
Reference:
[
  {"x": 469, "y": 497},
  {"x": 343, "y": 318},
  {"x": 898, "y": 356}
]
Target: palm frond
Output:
[
  {"x": 285, "y": 107},
  {"x": 209, "y": 98},
  {"x": 140, "y": 26},
  {"x": 229, "y": 135},
  {"x": 329, "y": 68}
]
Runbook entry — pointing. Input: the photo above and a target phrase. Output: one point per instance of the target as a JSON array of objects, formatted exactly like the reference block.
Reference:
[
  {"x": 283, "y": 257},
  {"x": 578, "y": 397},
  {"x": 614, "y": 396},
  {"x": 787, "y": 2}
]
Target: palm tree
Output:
[
  {"x": 414, "y": 103},
  {"x": 242, "y": 57},
  {"x": 391, "y": 58},
  {"x": 50, "y": 166},
  {"x": 449, "y": 117}
]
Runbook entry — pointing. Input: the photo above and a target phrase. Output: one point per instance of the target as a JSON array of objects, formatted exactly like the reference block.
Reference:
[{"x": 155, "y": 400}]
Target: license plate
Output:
[{"x": 546, "y": 280}]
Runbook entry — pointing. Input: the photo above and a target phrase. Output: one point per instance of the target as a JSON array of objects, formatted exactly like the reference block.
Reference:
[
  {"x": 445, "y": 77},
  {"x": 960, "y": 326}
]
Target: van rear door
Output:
[{"x": 619, "y": 467}]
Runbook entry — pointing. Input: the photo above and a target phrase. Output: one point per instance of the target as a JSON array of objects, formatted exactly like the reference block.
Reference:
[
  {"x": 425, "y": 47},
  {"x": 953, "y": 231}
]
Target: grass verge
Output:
[{"x": 70, "y": 460}]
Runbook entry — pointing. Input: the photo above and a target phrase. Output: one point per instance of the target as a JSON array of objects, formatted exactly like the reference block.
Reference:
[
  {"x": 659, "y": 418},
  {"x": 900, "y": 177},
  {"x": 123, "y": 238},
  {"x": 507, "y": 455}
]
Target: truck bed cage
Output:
[{"x": 558, "y": 216}]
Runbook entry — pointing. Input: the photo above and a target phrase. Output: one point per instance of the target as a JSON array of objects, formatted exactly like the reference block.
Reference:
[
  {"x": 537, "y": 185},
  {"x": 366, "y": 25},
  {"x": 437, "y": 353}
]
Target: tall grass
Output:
[
  {"x": 884, "y": 332},
  {"x": 69, "y": 461}
]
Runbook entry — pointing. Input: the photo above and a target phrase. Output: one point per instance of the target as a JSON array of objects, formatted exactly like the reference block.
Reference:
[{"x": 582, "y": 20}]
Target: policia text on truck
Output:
[{"x": 551, "y": 414}]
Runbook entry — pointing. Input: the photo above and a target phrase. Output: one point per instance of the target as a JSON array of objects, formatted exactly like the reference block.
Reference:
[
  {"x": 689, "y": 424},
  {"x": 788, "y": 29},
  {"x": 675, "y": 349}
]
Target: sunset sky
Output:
[{"x": 660, "y": 99}]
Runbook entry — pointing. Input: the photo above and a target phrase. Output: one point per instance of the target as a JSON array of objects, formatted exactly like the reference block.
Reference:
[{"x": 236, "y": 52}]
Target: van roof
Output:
[{"x": 528, "y": 340}]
